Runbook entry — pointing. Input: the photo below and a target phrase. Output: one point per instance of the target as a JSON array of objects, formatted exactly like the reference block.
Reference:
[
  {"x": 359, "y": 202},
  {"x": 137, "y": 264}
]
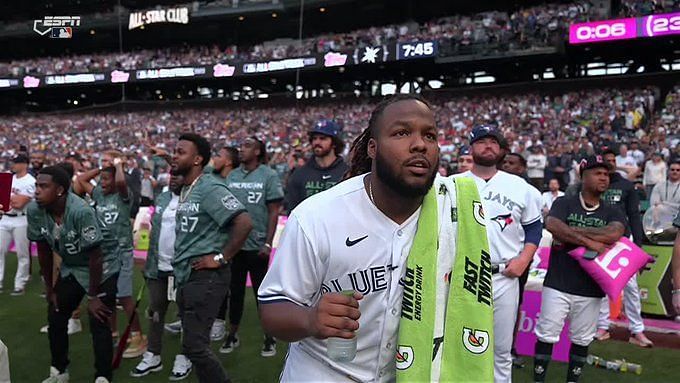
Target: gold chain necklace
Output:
[{"x": 182, "y": 195}]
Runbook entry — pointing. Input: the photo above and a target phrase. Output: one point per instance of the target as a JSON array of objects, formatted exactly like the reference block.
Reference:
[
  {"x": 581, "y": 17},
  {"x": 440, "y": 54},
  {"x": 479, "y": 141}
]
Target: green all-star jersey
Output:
[
  {"x": 78, "y": 233},
  {"x": 113, "y": 211},
  {"x": 255, "y": 189},
  {"x": 203, "y": 214}
]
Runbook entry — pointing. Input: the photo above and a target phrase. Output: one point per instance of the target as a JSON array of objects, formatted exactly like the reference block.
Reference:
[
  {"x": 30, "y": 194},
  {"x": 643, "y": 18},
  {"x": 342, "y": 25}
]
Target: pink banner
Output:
[
  {"x": 660, "y": 25},
  {"x": 526, "y": 339},
  {"x": 606, "y": 30}
]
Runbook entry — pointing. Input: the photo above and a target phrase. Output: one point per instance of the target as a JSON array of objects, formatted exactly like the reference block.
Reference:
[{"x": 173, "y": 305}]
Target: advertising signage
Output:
[{"x": 625, "y": 29}]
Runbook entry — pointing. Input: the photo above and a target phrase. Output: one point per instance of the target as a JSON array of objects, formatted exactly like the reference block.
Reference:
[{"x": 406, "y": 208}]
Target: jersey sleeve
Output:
[
  {"x": 88, "y": 228},
  {"x": 296, "y": 273},
  {"x": 34, "y": 218},
  {"x": 221, "y": 205},
  {"x": 559, "y": 209},
  {"x": 274, "y": 188},
  {"x": 29, "y": 190},
  {"x": 532, "y": 209}
]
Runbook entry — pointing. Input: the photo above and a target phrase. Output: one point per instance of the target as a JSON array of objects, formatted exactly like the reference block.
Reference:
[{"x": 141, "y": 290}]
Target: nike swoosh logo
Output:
[
  {"x": 325, "y": 177},
  {"x": 351, "y": 243}
]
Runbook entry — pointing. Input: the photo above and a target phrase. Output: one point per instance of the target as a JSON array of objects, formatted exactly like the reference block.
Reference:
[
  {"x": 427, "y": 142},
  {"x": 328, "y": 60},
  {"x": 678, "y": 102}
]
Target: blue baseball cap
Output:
[
  {"x": 483, "y": 131},
  {"x": 326, "y": 127},
  {"x": 464, "y": 151}
]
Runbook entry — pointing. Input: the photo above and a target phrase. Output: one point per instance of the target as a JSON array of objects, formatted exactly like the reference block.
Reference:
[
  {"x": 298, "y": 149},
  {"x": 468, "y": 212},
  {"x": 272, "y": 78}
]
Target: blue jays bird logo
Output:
[{"x": 503, "y": 220}]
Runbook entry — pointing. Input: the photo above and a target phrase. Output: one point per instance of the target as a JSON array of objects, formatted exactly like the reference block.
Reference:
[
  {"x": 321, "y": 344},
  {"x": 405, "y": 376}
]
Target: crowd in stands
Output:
[
  {"x": 572, "y": 123},
  {"x": 636, "y": 8},
  {"x": 523, "y": 29}
]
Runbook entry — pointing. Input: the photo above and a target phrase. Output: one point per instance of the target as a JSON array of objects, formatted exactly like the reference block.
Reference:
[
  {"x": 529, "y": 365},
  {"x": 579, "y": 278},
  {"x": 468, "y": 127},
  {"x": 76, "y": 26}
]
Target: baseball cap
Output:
[
  {"x": 20, "y": 159},
  {"x": 483, "y": 131},
  {"x": 592, "y": 162},
  {"x": 326, "y": 127},
  {"x": 464, "y": 151}
]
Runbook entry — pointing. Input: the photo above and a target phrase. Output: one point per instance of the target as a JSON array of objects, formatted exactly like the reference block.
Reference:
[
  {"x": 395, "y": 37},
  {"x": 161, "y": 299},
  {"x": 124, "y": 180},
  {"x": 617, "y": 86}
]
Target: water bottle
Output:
[{"x": 341, "y": 349}]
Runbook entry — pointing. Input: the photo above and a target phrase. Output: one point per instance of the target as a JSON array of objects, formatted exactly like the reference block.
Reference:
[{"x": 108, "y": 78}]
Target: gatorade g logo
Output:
[
  {"x": 405, "y": 357},
  {"x": 478, "y": 212},
  {"x": 476, "y": 342}
]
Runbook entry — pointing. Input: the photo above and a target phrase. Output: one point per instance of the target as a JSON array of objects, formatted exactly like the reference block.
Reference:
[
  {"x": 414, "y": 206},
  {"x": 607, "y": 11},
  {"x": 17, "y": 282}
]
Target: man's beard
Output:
[
  {"x": 483, "y": 161},
  {"x": 323, "y": 152},
  {"x": 385, "y": 174},
  {"x": 181, "y": 171}
]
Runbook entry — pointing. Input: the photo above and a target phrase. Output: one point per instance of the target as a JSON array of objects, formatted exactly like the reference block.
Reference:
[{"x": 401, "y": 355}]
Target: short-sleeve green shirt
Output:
[
  {"x": 255, "y": 189},
  {"x": 113, "y": 211},
  {"x": 78, "y": 233},
  {"x": 203, "y": 214}
]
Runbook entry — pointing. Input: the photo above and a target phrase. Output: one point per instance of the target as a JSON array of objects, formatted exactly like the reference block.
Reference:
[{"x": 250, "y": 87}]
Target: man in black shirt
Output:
[
  {"x": 325, "y": 169},
  {"x": 568, "y": 291}
]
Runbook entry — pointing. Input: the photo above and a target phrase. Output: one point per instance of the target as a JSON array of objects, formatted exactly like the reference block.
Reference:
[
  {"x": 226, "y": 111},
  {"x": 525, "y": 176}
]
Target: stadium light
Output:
[
  {"x": 435, "y": 84},
  {"x": 274, "y": 15},
  {"x": 241, "y": 18},
  {"x": 322, "y": 9}
]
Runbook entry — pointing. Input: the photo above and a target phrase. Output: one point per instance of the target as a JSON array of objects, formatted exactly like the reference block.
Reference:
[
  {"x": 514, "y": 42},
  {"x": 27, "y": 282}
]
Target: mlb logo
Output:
[{"x": 62, "y": 32}]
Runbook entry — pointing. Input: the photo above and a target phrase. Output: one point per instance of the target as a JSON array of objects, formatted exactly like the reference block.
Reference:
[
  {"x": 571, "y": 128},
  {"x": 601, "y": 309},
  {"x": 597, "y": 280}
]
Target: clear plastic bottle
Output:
[{"x": 341, "y": 349}]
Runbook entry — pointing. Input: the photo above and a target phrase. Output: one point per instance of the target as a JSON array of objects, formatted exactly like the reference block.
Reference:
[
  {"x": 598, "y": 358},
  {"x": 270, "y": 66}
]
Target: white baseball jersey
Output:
[
  {"x": 22, "y": 186},
  {"x": 338, "y": 240},
  {"x": 508, "y": 202}
]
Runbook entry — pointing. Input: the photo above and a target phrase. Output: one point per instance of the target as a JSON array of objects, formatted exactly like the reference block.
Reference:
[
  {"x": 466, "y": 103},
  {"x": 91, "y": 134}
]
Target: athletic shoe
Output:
[
  {"x": 217, "y": 332},
  {"x": 268, "y": 347},
  {"x": 18, "y": 292},
  {"x": 174, "y": 327},
  {"x": 44, "y": 329},
  {"x": 101, "y": 379},
  {"x": 181, "y": 368},
  {"x": 602, "y": 335},
  {"x": 230, "y": 344},
  {"x": 136, "y": 346},
  {"x": 517, "y": 361},
  {"x": 56, "y": 377},
  {"x": 641, "y": 340},
  {"x": 150, "y": 363},
  {"x": 74, "y": 326}
]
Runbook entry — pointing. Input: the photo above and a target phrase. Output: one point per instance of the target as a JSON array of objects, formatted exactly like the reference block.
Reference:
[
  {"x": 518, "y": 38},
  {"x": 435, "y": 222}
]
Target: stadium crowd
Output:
[
  {"x": 576, "y": 122},
  {"x": 523, "y": 29}
]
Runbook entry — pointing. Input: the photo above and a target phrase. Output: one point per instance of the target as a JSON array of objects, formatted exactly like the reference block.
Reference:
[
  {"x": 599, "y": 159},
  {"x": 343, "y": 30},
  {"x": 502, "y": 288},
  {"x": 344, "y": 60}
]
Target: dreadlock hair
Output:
[
  {"x": 262, "y": 157},
  {"x": 359, "y": 161}
]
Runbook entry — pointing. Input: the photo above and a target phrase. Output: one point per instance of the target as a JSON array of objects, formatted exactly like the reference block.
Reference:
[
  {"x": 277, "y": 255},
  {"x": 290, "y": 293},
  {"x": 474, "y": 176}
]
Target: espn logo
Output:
[{"x": 58, "y": 27}]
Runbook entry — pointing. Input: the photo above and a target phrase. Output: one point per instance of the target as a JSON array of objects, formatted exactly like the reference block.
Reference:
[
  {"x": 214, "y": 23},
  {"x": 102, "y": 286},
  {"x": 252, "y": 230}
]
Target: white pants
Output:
[
  {"x": 15, "y": 228},
  {"x": 505, "y": 301},
  {"x": 631, "y": 306},
  {"x": 4, "y": 364},
  {"x": 557, "y": 306}
]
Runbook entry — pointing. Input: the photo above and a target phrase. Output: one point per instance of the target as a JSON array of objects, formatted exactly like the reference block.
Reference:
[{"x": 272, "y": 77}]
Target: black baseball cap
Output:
[
  {"x": 483, "y": 131},
  {"x": 592, "y": 162},
  {"x": 20, "y": 159}
]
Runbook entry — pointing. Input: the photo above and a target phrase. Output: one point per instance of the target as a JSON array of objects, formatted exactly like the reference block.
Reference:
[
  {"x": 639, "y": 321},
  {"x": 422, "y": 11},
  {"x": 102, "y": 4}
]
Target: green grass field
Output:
[{"x": 22, "y": 317}]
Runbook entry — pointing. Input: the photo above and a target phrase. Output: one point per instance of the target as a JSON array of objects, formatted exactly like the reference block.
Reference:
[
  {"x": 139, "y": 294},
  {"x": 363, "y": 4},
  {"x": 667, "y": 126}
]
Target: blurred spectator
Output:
[
  {"x": 536, "y": 163},
  {"x": 655, "y": 172}
]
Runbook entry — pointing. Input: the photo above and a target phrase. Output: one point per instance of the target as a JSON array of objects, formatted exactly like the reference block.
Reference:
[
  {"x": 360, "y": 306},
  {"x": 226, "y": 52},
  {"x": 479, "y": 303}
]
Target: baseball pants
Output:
[
  {"x": 505, "y": 302},
  {"x": 557, "y": 306},
  {"x": 4, "y": 364},
  {"x": 631, "y": 306},
  {"x": 15, "y": 228}
]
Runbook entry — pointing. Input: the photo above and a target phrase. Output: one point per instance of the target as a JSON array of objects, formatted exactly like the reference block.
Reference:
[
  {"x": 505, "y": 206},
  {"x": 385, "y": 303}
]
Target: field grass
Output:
[{"x": 22, "y": 317}]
